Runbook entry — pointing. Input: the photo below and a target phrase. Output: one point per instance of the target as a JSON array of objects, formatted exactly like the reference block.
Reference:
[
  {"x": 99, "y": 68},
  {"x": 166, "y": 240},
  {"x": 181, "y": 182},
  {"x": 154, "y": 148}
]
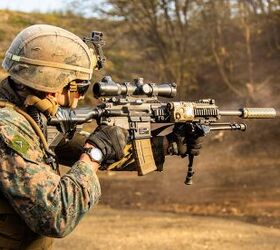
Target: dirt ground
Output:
[
  {"x": 107, "y": 228},
  {"x": 234, "y": 203},
  {"x": 246, "y": 189}
]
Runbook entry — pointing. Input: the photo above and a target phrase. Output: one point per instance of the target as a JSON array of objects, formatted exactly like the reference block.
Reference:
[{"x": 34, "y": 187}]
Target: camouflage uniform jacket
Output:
[{"x": 49, "y": 204}]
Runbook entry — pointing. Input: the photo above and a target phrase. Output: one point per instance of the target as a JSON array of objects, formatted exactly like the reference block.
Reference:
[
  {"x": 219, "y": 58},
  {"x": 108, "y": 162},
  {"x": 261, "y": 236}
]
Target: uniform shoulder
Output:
[
  {"x": 10, "y": 117},
  {"x": 18, "y": 134}
]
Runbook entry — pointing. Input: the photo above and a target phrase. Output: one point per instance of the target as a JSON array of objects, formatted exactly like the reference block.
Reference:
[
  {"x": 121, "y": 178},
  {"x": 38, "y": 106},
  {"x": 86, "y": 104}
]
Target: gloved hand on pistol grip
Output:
[{"x": 111, "y": 140}]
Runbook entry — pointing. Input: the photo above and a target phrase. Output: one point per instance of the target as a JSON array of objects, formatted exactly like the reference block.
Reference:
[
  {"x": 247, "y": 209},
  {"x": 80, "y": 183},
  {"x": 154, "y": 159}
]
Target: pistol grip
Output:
[{"x": 144, "y": 156}]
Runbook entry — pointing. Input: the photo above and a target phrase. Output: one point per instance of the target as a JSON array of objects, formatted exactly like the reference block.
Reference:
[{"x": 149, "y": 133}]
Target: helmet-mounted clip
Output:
[{"x": 97, "y": 41}]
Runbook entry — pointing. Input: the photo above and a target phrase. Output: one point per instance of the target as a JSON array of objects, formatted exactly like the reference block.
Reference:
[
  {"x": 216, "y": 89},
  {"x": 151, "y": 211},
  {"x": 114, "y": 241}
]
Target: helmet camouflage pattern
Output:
[{"x": 47, "y": 58}]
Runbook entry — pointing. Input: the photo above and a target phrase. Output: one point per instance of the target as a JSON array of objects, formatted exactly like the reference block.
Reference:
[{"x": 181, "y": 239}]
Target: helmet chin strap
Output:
[
  {"x": 72, "y": 93},
  {"x": 47, "y": 105}
]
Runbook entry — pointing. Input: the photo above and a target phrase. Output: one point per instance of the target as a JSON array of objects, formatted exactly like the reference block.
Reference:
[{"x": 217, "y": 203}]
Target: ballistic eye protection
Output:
[{"x": 80, "y": 87}]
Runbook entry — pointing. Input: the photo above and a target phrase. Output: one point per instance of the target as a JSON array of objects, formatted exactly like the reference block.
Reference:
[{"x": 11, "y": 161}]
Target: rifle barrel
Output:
[{"x": 228, "y": 126}]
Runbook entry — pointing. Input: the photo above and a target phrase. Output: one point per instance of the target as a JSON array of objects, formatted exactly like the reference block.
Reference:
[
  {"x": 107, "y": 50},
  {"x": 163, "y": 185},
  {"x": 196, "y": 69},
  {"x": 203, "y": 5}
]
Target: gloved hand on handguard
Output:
[{"x": 186, "y": 139}]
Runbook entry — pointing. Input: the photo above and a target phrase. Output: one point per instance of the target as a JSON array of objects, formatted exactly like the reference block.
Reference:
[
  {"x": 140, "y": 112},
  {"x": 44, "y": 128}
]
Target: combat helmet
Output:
[{"x": 47, "y": 58}]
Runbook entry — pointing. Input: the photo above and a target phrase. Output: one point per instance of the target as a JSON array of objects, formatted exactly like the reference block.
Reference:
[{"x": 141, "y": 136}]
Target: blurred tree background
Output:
[
  {"x": 219, "y": 48},
  {"x": 226, "y": 49}
]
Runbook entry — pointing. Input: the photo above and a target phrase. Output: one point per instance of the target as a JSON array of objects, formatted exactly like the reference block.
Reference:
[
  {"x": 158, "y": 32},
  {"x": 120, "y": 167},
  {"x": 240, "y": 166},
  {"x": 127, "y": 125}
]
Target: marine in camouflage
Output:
[
  {"x": 35, "y": 201},
  {"x": 49, "y": 204}
]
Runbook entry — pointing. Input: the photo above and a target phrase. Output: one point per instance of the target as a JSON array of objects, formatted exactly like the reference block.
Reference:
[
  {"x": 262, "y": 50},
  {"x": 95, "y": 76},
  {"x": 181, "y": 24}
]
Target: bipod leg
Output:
[{"x": 190, "y": 172}]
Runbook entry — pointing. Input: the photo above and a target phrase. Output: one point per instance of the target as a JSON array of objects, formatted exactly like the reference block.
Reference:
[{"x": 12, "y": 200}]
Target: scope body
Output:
[{"x": 107, "y": 87}]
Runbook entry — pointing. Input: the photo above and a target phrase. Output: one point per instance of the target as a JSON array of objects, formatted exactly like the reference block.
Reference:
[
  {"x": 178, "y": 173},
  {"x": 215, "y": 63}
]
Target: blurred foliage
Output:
[
  {"x": 207, "y": 45},
  {"x": 225, "y": 49},
  {"x": 20, "y": 21},
  {"x": 2, "y": 35}
]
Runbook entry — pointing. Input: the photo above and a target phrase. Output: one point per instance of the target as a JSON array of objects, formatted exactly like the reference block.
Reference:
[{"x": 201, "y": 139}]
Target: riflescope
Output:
[{"x": 107, "y": 87}]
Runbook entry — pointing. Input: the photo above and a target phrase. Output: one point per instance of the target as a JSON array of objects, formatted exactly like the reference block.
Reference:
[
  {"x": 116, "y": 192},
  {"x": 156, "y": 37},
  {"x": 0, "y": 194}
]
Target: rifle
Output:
[{"x": 135, "y": 106}]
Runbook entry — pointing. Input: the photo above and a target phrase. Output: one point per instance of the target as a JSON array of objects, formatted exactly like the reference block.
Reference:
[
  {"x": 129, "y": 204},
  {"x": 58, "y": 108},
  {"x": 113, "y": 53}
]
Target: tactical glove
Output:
[
  {"x": 186, "y": 139},
  {"x": 111, "y": 140},
  {"x": 159, "y": 151}
]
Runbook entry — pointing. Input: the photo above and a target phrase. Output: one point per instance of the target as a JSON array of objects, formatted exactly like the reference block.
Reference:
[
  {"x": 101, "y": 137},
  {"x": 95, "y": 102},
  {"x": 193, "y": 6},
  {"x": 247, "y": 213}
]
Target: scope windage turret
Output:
[{"x": 107, "y": 87}]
